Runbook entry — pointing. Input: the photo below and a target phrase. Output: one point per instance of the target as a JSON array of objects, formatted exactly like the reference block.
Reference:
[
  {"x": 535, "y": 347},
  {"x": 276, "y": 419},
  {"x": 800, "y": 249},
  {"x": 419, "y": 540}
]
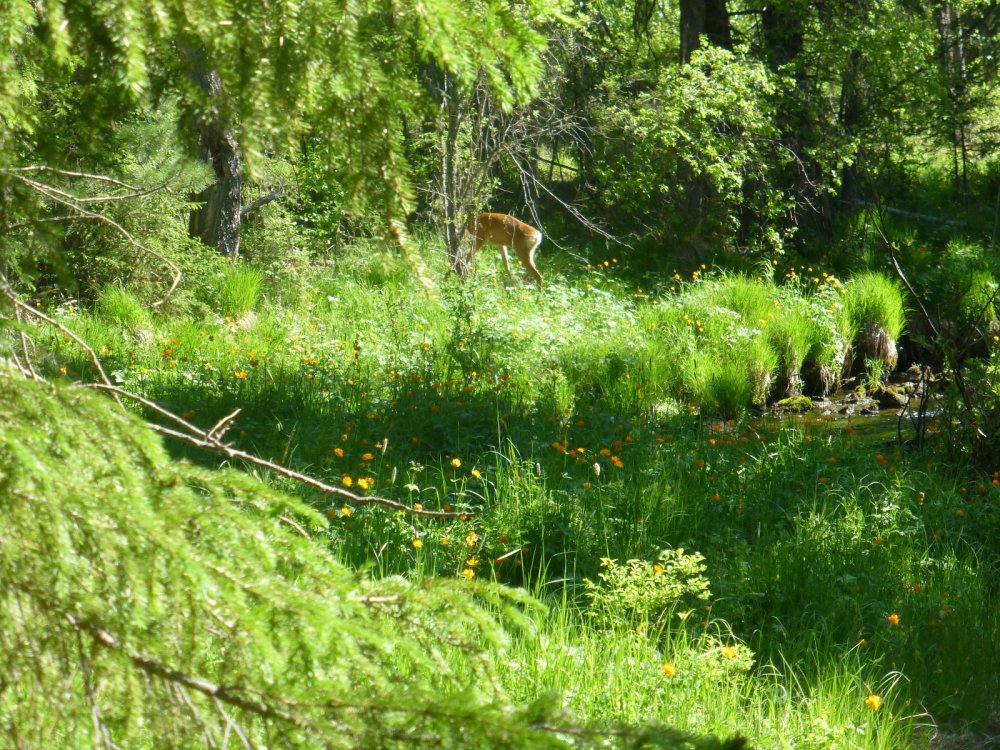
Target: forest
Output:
[{"x": 294, "y": 454}]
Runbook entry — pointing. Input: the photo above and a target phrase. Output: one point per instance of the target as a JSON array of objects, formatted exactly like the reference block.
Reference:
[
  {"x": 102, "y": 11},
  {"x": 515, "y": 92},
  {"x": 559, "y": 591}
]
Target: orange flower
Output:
[
  {"x": 367, "y": 456},
  {"x": 668, "y": 669},
  {"x": 893, "y": 619},
  {"x": 469, "y": 574},
  {"x": 346, "y": 480},
  {"x": 338, "y": 452},
  {"x": 699, "y": 463},
  {"x": 874, "y": 702}
]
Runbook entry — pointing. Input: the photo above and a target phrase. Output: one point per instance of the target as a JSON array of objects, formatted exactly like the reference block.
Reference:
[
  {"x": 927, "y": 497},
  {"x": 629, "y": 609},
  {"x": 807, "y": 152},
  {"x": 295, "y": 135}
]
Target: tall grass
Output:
[
  {"x": 239, "y": 290},
  {"x": 118, "y": 306},
  {"x": 562, "y": 426}
]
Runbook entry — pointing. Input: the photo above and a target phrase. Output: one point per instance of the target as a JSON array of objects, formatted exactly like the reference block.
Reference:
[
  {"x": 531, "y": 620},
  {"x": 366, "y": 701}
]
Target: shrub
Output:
[{"x": 639, "y": 593}]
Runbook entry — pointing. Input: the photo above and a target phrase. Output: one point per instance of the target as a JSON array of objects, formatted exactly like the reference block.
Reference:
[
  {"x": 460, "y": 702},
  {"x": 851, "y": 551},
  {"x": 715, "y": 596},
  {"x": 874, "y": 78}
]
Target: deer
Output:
[{"x": 505, "y": 231}]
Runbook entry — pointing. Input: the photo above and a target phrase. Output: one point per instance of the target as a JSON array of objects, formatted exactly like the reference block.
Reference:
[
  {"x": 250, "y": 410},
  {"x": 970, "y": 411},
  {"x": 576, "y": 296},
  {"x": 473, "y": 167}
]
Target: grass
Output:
[{"x": 564, "y": 424}]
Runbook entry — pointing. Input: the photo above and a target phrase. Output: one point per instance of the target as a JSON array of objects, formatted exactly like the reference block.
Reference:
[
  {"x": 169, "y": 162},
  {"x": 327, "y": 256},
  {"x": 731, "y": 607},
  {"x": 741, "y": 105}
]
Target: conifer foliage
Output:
[
  {"x": 147, "y": 600},
  {"x": 151, "y": 603}
]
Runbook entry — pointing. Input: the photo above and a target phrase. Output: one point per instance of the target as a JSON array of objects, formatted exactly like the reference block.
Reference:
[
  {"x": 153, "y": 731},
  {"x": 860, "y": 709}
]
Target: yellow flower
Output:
[
  {"x": 444, "y": 539},
  {"x": 346, "y": 480},
  {"x": 729, "y": 652},
  {"x": 346, "y": 512},
  {"x": 668, "y": 668},
  {"x": 477, "y": 474},
  {"x": 471, "y": 538},
  {"x": 874, "y": 701},
  {"x": 456, "y": 462},
  {"x": 469, "y": 574},
  {"x": 472, "y": 561},
  {"x": 417, "y": 543},
  {"x": 893, "y": 619},
  {"x": 367, "y": 456},
  {"x": 365, "y": 483},
  {"x": 240, "y": 374},
  {"x": 659, "y": 569}
]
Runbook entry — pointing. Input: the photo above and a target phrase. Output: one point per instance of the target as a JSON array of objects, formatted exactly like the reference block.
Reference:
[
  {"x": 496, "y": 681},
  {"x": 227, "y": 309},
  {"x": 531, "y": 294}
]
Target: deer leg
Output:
[
  {"x": 528, "y": 259},
  {"x": 506, "y": 260}
]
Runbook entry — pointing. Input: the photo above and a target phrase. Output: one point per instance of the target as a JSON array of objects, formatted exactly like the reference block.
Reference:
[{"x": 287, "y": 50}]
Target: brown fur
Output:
[{"x": 504, "y": 232}]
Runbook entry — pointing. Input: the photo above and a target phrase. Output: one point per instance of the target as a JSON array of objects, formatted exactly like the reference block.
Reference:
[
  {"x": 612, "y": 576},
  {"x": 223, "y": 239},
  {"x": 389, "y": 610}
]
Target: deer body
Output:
[{"x": 505, "y": 232}]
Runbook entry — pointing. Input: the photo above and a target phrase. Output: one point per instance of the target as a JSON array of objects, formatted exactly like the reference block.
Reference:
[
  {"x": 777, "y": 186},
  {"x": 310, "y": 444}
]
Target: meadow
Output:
[{"x": 705, "y": 563}]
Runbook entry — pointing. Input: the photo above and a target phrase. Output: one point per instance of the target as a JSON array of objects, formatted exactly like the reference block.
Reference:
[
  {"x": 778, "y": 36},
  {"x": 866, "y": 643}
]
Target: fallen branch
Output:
[{"x": 209, "y": 439}]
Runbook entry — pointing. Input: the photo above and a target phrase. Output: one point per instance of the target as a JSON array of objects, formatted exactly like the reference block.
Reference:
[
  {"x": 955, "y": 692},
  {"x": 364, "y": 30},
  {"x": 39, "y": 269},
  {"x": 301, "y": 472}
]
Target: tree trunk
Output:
[
  {"x": 708, "y": 17},
  {"x": 217, "y": 221}
]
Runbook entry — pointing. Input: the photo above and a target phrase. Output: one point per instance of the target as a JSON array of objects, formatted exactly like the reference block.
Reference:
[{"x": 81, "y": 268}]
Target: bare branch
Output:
[
  {"x": 73, "y": 202},
  {"x": 261, "y": 201},
  {"x": 203, "y": 439},
  {"x": 20, "y": 305}
]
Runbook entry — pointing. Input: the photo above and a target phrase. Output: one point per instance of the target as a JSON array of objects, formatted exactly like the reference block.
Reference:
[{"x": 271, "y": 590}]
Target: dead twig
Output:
[{"x": 76, "y": 204}]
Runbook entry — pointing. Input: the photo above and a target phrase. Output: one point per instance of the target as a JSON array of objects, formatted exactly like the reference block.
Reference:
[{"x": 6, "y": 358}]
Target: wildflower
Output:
[
  {"x": 346, "y": 511},
  {"x": 874, "y": 702},
  {"x": 831, "y": 460},
  {"x": 605, "y": 451},
  {"x": 893, "y": 619},
  {"x": 668, "y": 669},
  {"x": 365, "y": 483},
  {"x": 346, "y": 480},
  {"x": 959, "y": 512},
  {"x": 445, "y": 540},
  {"x": 472, "y": 561},
  {"x": 468, "y": 574},
  {"x": 476, "y": 474},
  {"x": 699, "y": 463},
  {"x": 456, "y": 462},
  {"x": 470, "y": 539},
  {"x": 879, "y": 541},
  {"x": 417, "y": 543},
  {"x": 729, "y": 652},
  {"x": 617, "y": 462},
  {"x": 586, "y": 485},
  {"x": 240, "y": 374},
  {"x": 339, "y": 452},
  {"x": 367, "y": 456},
  {"x": 915, "y": 587},
  {"x": 659, "y": 569}
]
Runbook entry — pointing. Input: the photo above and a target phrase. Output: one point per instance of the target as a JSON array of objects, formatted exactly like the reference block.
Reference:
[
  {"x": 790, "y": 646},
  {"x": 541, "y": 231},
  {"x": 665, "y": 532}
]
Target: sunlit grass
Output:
[{"x": 594, "y": 422}]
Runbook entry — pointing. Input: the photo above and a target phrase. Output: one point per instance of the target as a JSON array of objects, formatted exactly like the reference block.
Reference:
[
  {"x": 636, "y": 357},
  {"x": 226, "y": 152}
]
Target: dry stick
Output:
[
  {"x": 207, "y": 439},
  {"x": 8, "y": 292},
  {"x": 212, "y": 438},
  {"x": 72, "y": 202}
]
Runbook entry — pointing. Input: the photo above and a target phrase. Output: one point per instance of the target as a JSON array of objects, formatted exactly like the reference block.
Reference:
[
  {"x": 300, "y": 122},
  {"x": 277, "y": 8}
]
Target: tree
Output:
[{"x": 258, "y": 77}]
